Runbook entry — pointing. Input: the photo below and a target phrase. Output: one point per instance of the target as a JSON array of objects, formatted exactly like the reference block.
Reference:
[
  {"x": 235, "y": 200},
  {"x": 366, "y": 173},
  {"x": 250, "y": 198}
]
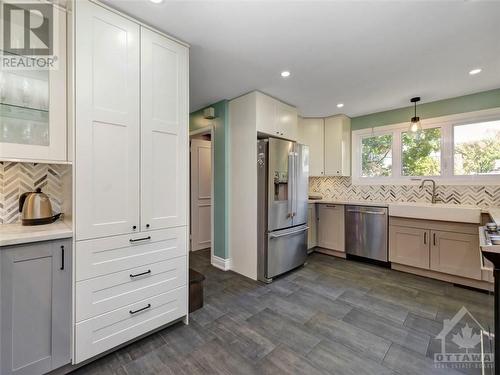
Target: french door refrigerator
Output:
[{"x": 283, "y": 174}]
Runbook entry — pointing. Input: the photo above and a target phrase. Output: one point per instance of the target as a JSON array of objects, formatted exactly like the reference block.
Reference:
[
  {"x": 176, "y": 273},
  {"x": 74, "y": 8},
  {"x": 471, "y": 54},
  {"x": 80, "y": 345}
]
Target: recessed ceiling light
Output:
[
  {"x": 156, "y": 1},
  {"x": 285, "y": 74},
  {"x": 340, "y": 105},
  {"x": 475, "y": 71}
]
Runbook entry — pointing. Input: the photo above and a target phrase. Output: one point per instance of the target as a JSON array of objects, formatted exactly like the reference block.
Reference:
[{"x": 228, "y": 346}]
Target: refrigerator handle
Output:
[
  {"x": 290, "y": 184},
  {"x": 295, "y": 182}
]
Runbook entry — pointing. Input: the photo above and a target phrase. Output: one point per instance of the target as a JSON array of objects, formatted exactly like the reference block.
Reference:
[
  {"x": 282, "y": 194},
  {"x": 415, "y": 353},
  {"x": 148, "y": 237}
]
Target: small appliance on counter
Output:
[{"x": 36, "y": 209}]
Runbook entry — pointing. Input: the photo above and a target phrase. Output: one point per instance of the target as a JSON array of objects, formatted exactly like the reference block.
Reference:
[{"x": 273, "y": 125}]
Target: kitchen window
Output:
[
  {"x": 476, "y": 149},
  {"x": 456, "y": 149},
  {"x": 376, "y": 156},
  {"x": 421, "y": 156}
]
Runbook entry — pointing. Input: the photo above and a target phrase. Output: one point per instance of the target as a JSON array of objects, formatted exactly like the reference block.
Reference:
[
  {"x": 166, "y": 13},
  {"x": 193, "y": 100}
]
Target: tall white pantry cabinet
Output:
[{"x": 131, "y": 164}]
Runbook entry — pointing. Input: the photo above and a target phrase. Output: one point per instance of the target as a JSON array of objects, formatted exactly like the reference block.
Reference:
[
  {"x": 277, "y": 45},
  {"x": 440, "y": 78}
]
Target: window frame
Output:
[{"x": 447, "y": 125}]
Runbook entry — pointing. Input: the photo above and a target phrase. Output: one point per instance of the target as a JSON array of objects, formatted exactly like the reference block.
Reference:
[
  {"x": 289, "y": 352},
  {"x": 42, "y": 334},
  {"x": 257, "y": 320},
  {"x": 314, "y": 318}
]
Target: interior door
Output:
[
  {"x": 201, "y": 194},
  {"x": 280, "y": 191},
  {"x": 164, "y": 127},
  {"x": 107, "y": 123}
]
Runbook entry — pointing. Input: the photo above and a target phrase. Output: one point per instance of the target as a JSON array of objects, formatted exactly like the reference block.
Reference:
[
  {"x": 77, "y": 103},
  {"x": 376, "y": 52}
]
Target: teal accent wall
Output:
[
  {"x": 220, "y": 144},
  {"x": 461, "y": 104}
]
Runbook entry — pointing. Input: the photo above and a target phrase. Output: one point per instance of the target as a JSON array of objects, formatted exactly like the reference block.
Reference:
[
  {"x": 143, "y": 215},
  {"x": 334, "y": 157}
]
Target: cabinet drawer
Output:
[
  {"x": 104, "y": 332},
  {"x": 105, "y": 293},
  {"x": 113, "y": 254}
]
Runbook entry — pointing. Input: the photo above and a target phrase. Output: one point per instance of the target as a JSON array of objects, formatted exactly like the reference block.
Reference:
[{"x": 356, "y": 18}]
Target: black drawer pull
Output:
[
  {"x": 140, "y": 239},
  {"x": 62, "y": 258},
  {"x": 140, "y": 274},
  {"x": 136, "y": 311}
]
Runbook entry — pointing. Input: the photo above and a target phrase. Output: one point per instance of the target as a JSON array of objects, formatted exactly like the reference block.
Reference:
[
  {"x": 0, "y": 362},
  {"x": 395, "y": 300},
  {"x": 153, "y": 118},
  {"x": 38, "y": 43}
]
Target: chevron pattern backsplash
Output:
[
  {"x": 16, "y": 178},
  {"x": 341, "y": 188}
]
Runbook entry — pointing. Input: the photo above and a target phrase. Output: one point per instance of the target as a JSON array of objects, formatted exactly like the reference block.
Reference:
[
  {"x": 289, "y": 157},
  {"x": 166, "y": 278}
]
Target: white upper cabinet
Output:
[
  {"x": 33, "y": 122},
  {"x": 164, "y": 127},
  {"x": 329, "y": 143},
  {"x": 276, "y": 118},
  {"x": 337, "y": 146},
  {"x": 107, "y": 123},
  {"x": 286, "y": 121},
  {"x": 311, "y": 133}
]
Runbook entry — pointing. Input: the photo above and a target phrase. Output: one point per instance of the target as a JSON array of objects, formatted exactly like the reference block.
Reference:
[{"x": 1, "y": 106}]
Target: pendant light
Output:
[{"x": 415, "y": 125}]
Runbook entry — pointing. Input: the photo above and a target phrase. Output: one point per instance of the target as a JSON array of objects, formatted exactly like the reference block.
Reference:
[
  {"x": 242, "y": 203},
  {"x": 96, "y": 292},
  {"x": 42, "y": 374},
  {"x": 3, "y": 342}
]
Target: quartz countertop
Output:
[{"x": 16, "y": 234}]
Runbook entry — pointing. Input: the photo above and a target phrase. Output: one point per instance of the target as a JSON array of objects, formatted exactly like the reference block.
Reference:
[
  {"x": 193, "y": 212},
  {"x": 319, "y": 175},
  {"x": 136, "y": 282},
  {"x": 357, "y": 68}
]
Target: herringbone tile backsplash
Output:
[
  {"x": 17, "y": 178},
  {"x": 342, "y": 188}
]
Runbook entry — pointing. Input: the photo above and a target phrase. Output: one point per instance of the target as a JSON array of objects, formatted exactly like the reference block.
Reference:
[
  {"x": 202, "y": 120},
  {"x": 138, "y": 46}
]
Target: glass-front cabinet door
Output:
[{"x": 33, "y": 121}]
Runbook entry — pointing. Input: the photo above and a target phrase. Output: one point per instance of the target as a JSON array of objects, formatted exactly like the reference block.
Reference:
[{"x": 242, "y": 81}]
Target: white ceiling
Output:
[{"x": 372, "y": 56}]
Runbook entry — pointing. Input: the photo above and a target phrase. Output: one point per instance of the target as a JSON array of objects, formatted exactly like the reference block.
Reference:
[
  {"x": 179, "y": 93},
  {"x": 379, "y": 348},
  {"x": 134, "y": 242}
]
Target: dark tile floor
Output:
[{"x": 330, "y": 317}]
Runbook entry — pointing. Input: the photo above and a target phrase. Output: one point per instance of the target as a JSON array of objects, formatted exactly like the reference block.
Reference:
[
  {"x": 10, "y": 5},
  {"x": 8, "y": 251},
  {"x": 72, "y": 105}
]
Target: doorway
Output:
[{"x": 201, "y": 191}]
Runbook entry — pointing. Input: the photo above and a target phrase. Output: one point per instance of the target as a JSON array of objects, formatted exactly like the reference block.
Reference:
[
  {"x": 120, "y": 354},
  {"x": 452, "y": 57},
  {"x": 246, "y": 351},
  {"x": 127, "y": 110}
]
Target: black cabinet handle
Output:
[
  {"x": 425, "y": 238},
  {"x": 140, "y": 239},
  {"x": 147, "y": 225},
  {"x": 140, "y": 274},
  {"x": 62, "y": 257},
  {"x": 434, "y": 238},
  {"x": 136, "y": 311}
]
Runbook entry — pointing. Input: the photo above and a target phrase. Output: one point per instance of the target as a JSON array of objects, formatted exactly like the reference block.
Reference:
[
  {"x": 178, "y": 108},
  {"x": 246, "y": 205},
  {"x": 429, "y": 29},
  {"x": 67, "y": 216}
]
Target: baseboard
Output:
[
  {"x": 221, "y": 263},
  {"x": 335, "y": 253},
  {"x": 478, "y": 284}
]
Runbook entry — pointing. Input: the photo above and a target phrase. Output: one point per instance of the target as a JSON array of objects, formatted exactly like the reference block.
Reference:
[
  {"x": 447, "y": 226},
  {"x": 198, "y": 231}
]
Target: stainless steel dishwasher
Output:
[{"x": 366, "y": 232}]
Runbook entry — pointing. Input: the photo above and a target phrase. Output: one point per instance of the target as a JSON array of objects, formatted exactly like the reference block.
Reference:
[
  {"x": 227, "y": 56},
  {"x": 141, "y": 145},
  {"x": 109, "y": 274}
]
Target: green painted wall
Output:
[
  {"x": 461, "y": 104},
  {"x": 220, "y": 144}
]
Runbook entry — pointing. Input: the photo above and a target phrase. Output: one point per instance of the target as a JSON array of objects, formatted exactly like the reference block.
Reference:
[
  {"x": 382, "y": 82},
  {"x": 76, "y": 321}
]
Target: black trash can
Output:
[{"x": 195, "y": 290}]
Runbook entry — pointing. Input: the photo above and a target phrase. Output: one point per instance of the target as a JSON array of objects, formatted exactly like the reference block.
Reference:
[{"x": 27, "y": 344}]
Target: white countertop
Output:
[
  {"x": 355, "y": 203},
  {"x": 422, "y": 210},
  {"x": 15, "y": 234}
]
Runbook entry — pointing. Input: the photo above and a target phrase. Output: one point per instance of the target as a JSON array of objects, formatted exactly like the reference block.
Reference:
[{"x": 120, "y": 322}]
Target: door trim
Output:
[{"x": 210, "y": 129}]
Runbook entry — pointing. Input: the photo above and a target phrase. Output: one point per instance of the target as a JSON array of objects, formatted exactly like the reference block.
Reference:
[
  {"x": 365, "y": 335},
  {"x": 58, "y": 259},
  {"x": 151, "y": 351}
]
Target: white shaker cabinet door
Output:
[
  {"x": 107, "y": 123},
  {"x": 164, "y": 132}
]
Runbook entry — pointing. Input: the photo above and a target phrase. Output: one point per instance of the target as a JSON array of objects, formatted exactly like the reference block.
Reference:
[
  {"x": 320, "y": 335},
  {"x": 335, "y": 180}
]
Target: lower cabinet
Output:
[
  {"x": 445, "y": 247},
  {"x": 312, "y": 234},
  {"x": 331, "y": 227},
  {"x": 35, "y": 307},
  {"x": 409, "y": 246},
  {"x": 127, "y": 286},
  {"x": 456, "y": 254}
]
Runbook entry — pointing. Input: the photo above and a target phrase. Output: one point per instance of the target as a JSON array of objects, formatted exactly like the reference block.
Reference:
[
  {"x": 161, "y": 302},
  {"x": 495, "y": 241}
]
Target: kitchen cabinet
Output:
[
  {"x": 456, "y": 254},
  {"x": 312, "y": 234},
  {"x": 131, "y": 180},
  {"x": 329, "y": 143},
  {"x": 409, "y": 246},
  {"x": 35, "y": 307},
  {"x": 275, "y": 118},
  {"x": 331, "y": 227},
  {"x": 337, "y": 140},
  {"x": 33, "y": 123},
  {"x": 107, "y": 108},
  {"x": 131, "y": 127},
  {"x": 311, "y": 133},
  {"x": 444, "y": 247},
  {"x": 164, "y": 138}
]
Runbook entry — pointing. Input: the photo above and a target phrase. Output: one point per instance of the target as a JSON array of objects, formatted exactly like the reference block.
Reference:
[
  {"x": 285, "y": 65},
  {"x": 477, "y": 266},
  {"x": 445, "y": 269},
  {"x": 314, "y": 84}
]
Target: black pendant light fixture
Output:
[{"x": 415, "y": 125}]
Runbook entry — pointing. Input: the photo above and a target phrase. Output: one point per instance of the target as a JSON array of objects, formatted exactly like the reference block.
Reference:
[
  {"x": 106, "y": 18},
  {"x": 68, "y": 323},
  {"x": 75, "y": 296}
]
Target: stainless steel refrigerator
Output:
[{"x": 283, "y": 173}]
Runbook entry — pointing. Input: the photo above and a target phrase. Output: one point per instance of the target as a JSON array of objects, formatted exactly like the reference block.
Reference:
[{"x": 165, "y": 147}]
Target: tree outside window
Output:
[
  {"x": 376, "y": 159},
  {"x": 477, "y": 148},
  {"x": 421, "y": 156}
]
